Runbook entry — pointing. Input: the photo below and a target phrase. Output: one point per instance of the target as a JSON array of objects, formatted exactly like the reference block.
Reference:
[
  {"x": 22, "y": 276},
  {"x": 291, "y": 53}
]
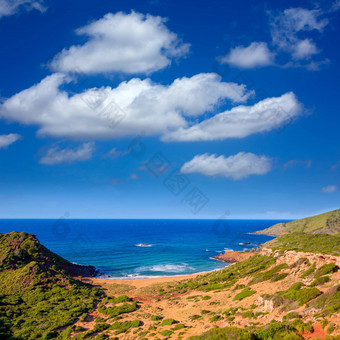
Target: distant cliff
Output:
[{"x": 327, "y": 223}]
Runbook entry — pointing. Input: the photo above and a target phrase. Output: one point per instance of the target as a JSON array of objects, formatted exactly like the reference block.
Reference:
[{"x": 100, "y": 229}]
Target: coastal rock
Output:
[{"x": 233, "y": 256}]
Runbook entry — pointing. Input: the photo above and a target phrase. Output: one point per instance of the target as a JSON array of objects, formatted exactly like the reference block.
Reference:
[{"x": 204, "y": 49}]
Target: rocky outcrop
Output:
[
  {"x": 290, "y": 257},
  {"x": 233, "y": 256}
]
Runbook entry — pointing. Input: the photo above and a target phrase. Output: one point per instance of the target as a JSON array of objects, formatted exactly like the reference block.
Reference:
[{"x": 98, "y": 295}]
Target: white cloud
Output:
[
  {"x": 58, "y": 156},
  {"x": 242, "y": 121},
  {"x": 285, "y": 30},
  {"x": 130, "y": 43},
  {"x": 10, "y": 7},
  {"x": 6, "y": 140},
  {"x": 131, "y": 108},
  {"x": 329, "y": 188},
  {"x": 304, "y": 49},
  {"x": 237, "y": 166},
  {"x": 255, "y": 55}
]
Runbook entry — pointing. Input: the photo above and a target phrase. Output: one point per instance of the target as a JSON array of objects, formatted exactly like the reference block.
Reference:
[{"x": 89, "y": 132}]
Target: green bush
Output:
[
  {"x": 123, "y": 327},
  {"x": 156, "y": 317},
  {"x": 320, "y": 281},
  {"x": 168, "y": 322},
  {"x": 244, "y": 294}
]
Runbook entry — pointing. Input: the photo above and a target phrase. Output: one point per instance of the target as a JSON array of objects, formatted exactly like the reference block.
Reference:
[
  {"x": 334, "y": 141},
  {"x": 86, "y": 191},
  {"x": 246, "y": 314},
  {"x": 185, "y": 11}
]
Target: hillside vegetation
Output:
[
  {"x": 38, "y": 295},
  {"x": 327, "y": 223},
  {"x": 288, "y": 289}
]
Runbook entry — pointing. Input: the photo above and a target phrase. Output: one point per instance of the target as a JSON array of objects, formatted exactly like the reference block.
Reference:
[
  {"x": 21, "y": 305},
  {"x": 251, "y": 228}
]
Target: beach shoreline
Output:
[{"x": 142, "y": 282}]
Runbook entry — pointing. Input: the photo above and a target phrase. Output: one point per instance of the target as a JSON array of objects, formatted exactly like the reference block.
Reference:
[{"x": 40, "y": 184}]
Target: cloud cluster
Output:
[
  {"x": 242, "y": 121},
  {"x": 11, "y": 7},
  {"x": 130, "y": 43},
  {"x": 6, "y": 140},
  {"x": 56, "y": 155},
  {"x": 237, "y": 166},
  {"x": 285, "y": 30},
  {"x": 288, "y": 36},
  {"x": 255, "y": 55},
  {"x": 132, "y": 107}
]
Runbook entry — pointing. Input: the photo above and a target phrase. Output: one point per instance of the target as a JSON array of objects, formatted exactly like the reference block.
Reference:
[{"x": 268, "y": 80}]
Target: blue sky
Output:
[{"x": 165, "y": 109}]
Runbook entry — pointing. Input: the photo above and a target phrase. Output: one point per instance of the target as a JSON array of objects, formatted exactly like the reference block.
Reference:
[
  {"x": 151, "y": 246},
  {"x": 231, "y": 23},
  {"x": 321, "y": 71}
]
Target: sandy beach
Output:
[{"x": 140, "y": 283}]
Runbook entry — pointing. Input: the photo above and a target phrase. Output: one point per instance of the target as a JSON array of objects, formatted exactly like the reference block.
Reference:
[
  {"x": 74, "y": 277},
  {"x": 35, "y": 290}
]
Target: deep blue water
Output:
[{"x": 178, "y": 247}]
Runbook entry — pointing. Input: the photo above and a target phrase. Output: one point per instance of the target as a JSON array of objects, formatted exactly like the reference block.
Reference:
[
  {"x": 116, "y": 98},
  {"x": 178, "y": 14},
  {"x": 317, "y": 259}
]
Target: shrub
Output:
[
  {"x": 216, "y": 318},
  {"x": 244, "y": 294},
  {"x": 195, "y": 317},
  {"x": 166, "y": 333},
  {"x": 123, "y": 327},
  {"x": 178, "y": 326},
  {"x": 117, "y": 310},
  {"x": 327, "y": 268},
  {"x": 320, "y": 281},
  {"x": 156, "y": 317},
  {"x": 168, "y": 322}
]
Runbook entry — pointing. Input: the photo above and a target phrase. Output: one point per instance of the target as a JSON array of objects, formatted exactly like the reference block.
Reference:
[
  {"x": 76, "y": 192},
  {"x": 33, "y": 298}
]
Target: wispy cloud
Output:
[
  {"x": 6, "y": 140},
  {"x": 237, "y": 166},
  {"x": 58, "y": 156},
  {"x": 329, "y": 189},
  {"x": 242, "y": 121},
  {"x": 295, "y": 162},
  {"x": 11, "y": 7}
]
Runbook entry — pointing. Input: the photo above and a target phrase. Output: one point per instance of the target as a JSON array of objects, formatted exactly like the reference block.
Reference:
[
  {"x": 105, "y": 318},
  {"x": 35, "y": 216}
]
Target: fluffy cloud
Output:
[
  {"x": 129, "y": 43},
  {"x": 255, "y": 55},
  {"x": 6, "y": 140},
  {"x": 10, "y": 7},
  {"x": 242, "y": 121},
  {"x": 131, "y": 108},
  {"x": 59, "y": 156},
  {"x": 286, "y": 26},
  {"x": 237, "y": 166},
  {"x": 329, "y": 188}
]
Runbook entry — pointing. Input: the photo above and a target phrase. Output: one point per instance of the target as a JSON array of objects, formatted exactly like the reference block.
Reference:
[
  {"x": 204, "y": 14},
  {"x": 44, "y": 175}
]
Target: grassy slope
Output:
[
  {"x": 37, "y": 292},
  {"x": 316, "y": 243},
  {"x": 327, "y": 223}
]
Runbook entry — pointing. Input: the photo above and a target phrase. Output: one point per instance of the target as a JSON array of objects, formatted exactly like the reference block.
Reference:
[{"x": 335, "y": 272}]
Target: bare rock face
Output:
[{"x": 264, "y": 305}]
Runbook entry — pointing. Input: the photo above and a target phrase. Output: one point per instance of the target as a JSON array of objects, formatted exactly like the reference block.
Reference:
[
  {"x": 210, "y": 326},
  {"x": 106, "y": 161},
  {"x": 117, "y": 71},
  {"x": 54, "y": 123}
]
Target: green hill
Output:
[
  {"x": 327, "y": 223},
  {"x": 38, "y": 294}
]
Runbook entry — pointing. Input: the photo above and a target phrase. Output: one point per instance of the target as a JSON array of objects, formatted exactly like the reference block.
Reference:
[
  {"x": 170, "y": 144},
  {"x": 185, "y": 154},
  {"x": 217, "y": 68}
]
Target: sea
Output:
[{"x": 132, "y": 249}]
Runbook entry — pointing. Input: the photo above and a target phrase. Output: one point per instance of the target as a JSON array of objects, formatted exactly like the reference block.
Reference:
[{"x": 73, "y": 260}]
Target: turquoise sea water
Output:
[{"x": 176, "y": 247}]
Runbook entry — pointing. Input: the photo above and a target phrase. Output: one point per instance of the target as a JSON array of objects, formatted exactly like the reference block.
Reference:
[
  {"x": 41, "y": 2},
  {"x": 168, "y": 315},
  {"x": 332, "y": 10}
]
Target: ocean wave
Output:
[{"x": 166, "y": 268}]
